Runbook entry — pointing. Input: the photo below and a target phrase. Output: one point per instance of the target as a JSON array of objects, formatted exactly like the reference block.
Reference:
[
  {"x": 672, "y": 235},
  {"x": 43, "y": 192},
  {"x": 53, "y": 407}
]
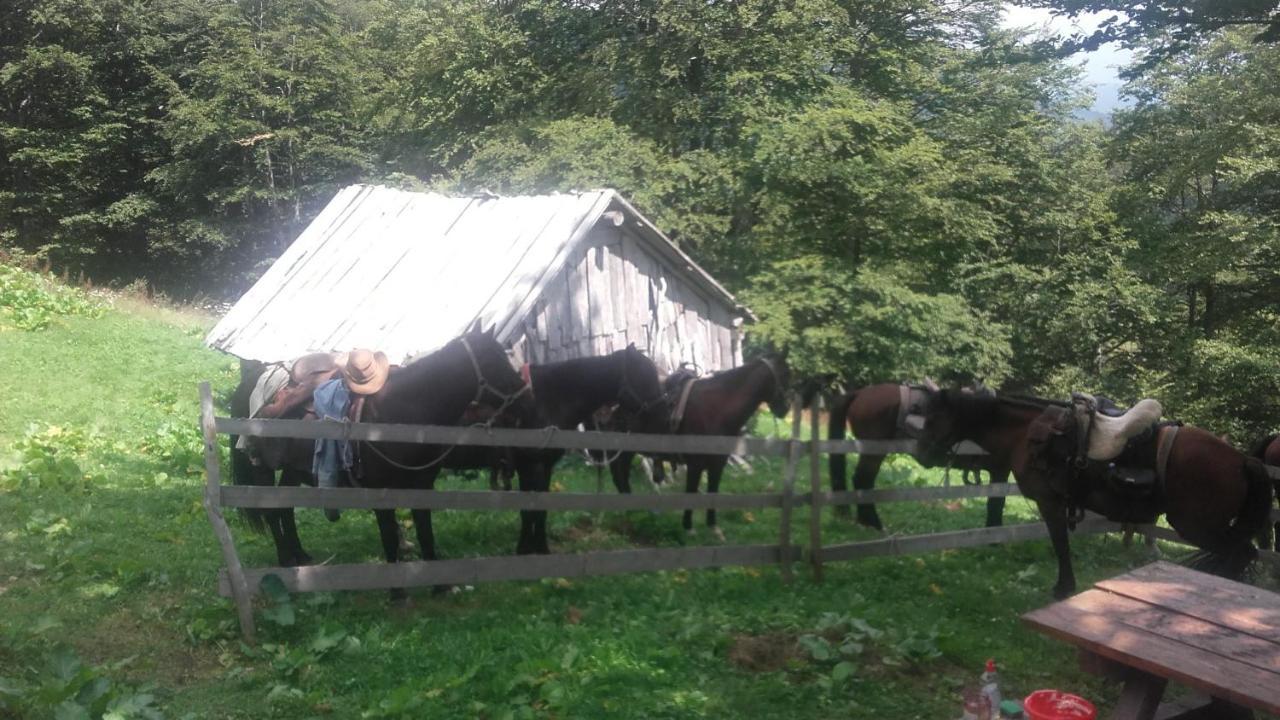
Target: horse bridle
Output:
[
  {"x": 482, "y": 384},
  {"x": 625, "y": 389}
]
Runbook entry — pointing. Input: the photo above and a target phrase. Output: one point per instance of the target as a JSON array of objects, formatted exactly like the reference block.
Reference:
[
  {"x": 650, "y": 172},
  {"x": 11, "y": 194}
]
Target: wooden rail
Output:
[
  {"x": 472, "y": 571},
  {"x": 242, "y": 584}
]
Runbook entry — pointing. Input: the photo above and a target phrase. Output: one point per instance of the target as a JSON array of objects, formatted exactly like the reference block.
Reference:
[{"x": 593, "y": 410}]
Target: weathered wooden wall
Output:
[{"x": 615, "y": 290}]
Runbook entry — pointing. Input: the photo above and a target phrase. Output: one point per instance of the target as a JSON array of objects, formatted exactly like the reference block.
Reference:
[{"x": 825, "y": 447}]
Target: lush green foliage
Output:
[
  {"x": 29, "y": 301},
  {"x": 900, "y": 188}
]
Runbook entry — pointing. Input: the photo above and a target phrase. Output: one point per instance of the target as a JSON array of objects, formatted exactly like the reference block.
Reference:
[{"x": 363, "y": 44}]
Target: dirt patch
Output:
[
  {"x": 160, "y": 653},
  {"x": 764, "y": 653}
]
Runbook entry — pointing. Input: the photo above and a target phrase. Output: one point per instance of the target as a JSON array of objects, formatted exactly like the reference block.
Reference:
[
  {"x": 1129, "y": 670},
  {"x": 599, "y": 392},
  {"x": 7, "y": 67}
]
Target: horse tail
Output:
[
  {"x": 1260, "y": 494},
  {"x": 836, "y": 423},
  {"x": 243, "y": 471}
]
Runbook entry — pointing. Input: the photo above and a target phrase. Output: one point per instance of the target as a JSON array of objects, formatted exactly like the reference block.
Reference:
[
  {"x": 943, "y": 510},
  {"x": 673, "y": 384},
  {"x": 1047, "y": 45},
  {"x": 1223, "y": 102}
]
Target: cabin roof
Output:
[{"x": 405, "y": 272}]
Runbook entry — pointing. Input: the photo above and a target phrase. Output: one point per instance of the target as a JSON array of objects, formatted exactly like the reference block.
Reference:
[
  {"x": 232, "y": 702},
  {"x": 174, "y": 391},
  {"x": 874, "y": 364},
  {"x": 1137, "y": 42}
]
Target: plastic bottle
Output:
[
  {"x": 990, "y": 684},
  {"x": 976, "y": 705}
]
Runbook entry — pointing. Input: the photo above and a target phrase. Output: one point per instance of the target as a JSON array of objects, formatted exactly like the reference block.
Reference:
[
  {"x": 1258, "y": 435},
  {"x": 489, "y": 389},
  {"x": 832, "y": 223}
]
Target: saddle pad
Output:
[
  {"x": 677, "y": 414},
  {"x": 911, "y": 409},
  {"x": 269, "y": 383},
  {"x": 1109, "y": 435}
]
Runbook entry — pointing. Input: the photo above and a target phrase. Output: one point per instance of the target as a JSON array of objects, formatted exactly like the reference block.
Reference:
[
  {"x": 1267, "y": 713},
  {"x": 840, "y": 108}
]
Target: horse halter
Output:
[
  {"x": 483, "y": 384},
  {"x": 625, "y": 389}
]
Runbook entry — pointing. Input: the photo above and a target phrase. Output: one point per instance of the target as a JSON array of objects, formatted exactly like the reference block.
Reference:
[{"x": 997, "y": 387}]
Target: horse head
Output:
[
  {"x": 952, "y": 415},
  {"x": 780, "y": 376},
  {"x": 498, "y": 384},
  {"x": 640, "y": 393}
]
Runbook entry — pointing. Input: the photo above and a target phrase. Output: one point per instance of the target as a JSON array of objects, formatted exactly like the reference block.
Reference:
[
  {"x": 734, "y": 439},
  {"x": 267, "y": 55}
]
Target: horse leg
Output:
[
  {"x": 995, "y": 505},
  {"x": 864, "y": 478},
  {"x": 1055, "y": 518},
  {"x": 390, "y": 534},
  {"x": 540, "y": 543},
  {"x": 288, "y": 542},
  {"x": 534, "y": 477},
  {"x": 620, "y": 472},
  {"x": 693, "y": 478},
  {"x": 715, "y": 469}
]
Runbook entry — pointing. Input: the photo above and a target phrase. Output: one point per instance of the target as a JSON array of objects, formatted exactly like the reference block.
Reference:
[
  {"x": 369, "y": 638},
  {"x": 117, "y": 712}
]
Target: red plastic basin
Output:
[{"x": 1058, "y": 705}]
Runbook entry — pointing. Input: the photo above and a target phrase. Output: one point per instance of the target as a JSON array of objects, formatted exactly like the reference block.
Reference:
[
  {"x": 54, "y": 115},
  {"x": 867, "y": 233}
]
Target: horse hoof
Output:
[
  {"x": 333, "y": 515},
  {"x": 690, "y": 532},
  {"x": 1063, "y": 592},
  {"x": 718, "y": 533},
  {"x": 397, "y": 597},
  {"x": 441, "y": 589}
]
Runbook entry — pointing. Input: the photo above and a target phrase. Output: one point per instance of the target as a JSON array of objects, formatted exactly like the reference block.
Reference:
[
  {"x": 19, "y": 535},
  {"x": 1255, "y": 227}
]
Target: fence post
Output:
[
  {"x": 788, "y": 491},
  {"x": 213, "y": 506},
  {"x": 815, "y": 490}
]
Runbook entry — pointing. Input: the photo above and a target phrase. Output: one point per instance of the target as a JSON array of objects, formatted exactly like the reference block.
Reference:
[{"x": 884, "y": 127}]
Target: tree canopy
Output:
[{"x": 899, "y": 188}]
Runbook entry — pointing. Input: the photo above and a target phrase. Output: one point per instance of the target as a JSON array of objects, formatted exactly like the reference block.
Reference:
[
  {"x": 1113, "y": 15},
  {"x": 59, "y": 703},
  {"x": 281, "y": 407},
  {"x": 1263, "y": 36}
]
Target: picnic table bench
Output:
[{"x": 1165, "y": 622}]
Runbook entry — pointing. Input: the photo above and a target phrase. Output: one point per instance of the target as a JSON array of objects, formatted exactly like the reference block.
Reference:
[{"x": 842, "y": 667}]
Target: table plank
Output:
[
  {"x": 1158, "y": 655},
  {"x": 1194, "y": 632},
  {"x": 1242, "y": 608}
]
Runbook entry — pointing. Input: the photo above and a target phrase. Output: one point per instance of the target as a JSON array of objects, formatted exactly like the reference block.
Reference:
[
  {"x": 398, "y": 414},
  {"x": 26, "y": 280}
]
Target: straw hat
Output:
[{"x": 365, "y": 371}]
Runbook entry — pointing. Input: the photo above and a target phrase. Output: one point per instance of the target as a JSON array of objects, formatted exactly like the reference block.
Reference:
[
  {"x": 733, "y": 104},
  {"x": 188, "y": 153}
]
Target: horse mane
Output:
[
  {"x": 973, "y": 409},
  {"x": 1032, "y": 401}
]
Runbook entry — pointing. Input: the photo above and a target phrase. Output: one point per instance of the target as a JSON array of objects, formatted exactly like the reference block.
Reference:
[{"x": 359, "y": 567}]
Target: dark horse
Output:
[
  {"x": 873, "y": 413},
  {"x": 568, "y": 393},
  {"x": 258, "y": 466},
  {"x": 1268, "y": 451},
  {"x": 719, "y": 404},
  {"x": 1214, "y": 496},
  {"x": 437, "y": 389}
]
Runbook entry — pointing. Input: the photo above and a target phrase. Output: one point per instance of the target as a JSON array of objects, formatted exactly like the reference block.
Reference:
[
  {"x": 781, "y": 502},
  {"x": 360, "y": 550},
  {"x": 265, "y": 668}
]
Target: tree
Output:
[
  {"x": 261, "y": 131},
  {"x": 1165, "y": 27}
]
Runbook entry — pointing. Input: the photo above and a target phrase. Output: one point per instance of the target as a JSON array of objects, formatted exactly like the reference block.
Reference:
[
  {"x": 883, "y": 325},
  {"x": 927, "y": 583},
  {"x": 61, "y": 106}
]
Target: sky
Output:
[{"x": 1101, "y": 66}]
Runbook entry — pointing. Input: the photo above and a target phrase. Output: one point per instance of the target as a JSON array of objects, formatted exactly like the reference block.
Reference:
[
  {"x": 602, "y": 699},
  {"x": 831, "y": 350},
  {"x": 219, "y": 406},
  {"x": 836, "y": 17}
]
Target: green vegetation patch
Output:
[{"x": 29, "y": 301}]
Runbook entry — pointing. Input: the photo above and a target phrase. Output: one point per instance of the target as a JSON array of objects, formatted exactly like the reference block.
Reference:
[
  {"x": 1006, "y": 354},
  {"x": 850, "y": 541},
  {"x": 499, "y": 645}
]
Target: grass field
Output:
[{"x": 107, "y": 570}]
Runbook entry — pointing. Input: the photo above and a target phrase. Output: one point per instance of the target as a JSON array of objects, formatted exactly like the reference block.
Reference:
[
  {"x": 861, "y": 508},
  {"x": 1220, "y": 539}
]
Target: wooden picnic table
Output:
[{"x": 1165, "y": 622}]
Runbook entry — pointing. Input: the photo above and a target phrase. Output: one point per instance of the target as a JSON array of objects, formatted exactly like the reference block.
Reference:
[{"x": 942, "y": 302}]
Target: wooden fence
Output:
[{"x": 242, "y": 584}]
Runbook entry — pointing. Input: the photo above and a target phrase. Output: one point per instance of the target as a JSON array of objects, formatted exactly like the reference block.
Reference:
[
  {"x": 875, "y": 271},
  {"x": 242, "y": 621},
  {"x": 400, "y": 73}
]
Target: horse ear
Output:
[{"x": 492, "y": 332}]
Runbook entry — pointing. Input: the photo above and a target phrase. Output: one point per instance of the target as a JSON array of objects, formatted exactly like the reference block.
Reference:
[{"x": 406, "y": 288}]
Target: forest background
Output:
[{"x": 898, "y": 188}]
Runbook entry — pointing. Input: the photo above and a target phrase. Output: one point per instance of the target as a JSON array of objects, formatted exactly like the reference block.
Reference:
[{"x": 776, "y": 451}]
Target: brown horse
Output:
[
  {"x": 719, "y": 404},
  {"x": 1214, "y": 496},
  {"x": 1268, "y": 451},
  {"x": 874, "y": 413}
]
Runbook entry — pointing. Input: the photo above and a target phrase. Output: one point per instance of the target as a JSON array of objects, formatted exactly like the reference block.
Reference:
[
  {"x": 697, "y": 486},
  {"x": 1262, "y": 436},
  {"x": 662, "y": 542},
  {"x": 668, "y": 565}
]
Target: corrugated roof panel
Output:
[{"x": 406, "y": 272}]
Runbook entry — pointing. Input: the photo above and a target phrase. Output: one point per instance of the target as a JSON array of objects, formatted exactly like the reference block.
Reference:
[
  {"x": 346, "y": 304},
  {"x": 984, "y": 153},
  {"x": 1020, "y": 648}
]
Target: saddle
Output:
[
  {"x": 1127, "y": 467},
  {"x": 1106, "y": 432},
  {"x": 305, "y": 375},
  {"x": 679, "y": 384}
]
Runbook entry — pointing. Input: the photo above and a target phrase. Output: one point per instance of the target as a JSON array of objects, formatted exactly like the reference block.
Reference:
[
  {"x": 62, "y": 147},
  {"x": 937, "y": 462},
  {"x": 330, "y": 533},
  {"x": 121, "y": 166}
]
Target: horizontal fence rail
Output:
[
  {"x": 473, "y": 571},
  {"x": 549, "y": 438},
  {"x": 376, "y": 498},
  {"x": 242, "y": 584},
  {"x": 912, "y": 544}
]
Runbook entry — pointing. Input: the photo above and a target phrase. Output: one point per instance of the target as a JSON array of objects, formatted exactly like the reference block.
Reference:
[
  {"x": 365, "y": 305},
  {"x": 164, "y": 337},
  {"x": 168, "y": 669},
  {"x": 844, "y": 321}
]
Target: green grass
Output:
[{"x": 118, "y": 563}]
